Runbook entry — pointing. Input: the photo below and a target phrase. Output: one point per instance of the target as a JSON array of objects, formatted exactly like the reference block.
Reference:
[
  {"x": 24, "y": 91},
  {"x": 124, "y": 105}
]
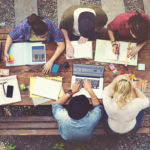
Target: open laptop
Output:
[{"x": 93, "y": 73}]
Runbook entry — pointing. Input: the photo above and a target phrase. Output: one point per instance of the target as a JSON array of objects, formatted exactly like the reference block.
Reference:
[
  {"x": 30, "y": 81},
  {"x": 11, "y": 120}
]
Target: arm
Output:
[
  {"x": 69, "y": 47},
  {"x": 60, "y": 48},
  {"x": 88, "y": 87},
  {"x": 134, "y": 50},
  {"x": 113, "y": 41},
  {"x": 75, "y": 88},
  {"x": 138, "y": 92},
  {"x": 9, "y": 41}
]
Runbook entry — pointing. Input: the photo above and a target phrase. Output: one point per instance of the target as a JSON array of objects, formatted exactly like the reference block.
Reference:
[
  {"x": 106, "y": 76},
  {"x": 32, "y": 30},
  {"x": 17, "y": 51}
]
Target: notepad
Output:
[
  {"x": 83, "y": 50},
  {"x": 27, "y": 53},
  {"x": 47, "y": 88},
  {"x": 11, "y": 81}
]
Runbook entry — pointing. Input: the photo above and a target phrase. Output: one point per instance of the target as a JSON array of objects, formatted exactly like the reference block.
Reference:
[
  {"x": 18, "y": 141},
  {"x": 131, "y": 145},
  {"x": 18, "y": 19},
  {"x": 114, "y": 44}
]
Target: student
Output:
[
  {"x": 37, "y": 28},
  {"x": 131, "y": 25},
  {"x": 124, "y": 109},
  {"x": 77, "y": 121},
  {"x": 82, "y": 23}
]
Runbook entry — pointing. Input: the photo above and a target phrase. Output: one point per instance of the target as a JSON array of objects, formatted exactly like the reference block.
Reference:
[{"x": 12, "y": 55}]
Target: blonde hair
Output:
[{"x": 122, "y": 92}]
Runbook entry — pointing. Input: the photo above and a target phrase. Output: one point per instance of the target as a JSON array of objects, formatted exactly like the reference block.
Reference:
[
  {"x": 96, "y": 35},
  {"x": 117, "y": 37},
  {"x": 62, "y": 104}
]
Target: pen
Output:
[
  {"x": 3, "y": 83},
  {"x": 118, "y": 51},
  {"x": 142, "y": 87},
  {"x": 4, "y": 89}
]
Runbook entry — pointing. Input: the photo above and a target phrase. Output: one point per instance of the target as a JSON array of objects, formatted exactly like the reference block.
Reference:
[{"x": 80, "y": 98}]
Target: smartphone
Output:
[{"x": 9, "y": 91}]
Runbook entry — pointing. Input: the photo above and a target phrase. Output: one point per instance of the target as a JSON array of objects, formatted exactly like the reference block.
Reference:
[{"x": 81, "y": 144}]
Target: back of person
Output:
[
  {"x": 123, "y": 113},
  {"x": 81, "y": 129},
  {"x": 78, "y": 120}
]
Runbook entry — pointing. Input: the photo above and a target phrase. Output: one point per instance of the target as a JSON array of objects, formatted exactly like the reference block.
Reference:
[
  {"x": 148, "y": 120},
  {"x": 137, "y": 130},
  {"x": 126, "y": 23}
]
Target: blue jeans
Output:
[{"x": 136, "y": 127}]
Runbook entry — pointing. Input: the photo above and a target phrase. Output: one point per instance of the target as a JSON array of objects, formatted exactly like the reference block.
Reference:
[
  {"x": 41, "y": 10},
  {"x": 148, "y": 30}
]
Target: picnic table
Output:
[{"x": 46, "y": 125}]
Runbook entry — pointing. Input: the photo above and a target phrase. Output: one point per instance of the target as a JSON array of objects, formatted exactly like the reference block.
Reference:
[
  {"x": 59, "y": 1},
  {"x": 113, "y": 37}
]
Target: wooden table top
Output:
[{"x": 25, "y": 72}]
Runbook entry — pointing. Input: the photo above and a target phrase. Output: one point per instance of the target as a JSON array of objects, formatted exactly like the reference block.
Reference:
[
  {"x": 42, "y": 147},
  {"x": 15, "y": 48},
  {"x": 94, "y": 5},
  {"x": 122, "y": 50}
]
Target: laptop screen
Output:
[{"x": 88, "y": 70}]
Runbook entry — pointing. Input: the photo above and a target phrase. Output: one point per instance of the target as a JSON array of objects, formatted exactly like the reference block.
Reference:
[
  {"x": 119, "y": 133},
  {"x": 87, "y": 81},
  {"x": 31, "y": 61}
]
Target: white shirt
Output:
[
  {"x": 76, "y": 14},
  {"x": 122, "y": 120}
]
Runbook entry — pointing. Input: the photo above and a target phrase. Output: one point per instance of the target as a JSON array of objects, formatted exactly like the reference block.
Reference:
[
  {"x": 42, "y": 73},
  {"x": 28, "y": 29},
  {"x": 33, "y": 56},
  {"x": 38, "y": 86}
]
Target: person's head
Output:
[
  {"x": 78, "y": 107},
  {"x": 86, "y": 24},
  {"x": 139, "y": 27},
  {"x": 122, "y": 91},
  {"x": 39, "y": 27}
]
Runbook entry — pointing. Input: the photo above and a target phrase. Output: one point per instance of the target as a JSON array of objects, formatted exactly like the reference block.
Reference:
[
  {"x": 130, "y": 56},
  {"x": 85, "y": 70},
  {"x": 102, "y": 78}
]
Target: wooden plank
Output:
[
  {"x": 28, "y": 119},
  {"x": 143, "y": 130},
  {"x": 30, "y": 132},
  {"x": 3, "y": 36},
  {"x": 24, "y": 125},
  {"x": 4, "y": 30}
]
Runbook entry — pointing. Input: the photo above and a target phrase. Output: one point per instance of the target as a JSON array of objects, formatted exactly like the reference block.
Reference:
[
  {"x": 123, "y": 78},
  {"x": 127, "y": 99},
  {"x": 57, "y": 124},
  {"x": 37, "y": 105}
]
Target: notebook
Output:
[
  {"x": 47, "y": 88},
  {"x": 103, "y": 53},
  {"x": 39, "y": 100},
  {"x": 82, "y": 50},
  {"x": 93, "y": 73},
  {"x": 10, "y": 81},
  {"x": 27, "y": 53}
]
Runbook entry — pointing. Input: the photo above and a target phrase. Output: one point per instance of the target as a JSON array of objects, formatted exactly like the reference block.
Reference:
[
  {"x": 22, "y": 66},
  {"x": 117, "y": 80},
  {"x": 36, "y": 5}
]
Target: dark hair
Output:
[
  {"x": 139, "y": 26},
  {"x": 86, "y": 24},
  {"x": 39, "y": 27},
  {"x": 78, "y": 107}
]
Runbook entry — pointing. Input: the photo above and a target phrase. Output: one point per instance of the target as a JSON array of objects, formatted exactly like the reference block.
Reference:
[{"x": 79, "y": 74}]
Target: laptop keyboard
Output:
[{"x": 94, "y": 83}]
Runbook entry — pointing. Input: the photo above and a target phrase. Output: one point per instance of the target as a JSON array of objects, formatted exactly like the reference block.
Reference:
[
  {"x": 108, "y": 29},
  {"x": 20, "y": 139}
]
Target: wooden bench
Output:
[{"x": 46, "y": 125}]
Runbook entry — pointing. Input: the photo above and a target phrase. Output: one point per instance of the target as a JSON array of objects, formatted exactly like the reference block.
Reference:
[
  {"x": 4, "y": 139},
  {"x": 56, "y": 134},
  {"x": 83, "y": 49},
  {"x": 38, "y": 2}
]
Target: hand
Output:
[
  {"x": 6, "y": 57},
  {"x": 69, "y": 50},
  {"x": 133, "y": 84},
  {"x": 87, "y": 85},
  {"x": 115, "y": 49},
  {"x": 133, "y": 51},
  {"x": 47, "y": 67},
  {"x": 76, "y": 87},
  {"x": 82, "y": 40}
]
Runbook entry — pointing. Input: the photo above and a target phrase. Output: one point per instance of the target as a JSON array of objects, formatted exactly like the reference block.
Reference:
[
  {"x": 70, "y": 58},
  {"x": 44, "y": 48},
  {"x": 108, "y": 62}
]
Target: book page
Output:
[
  {"x": 82, "y": 50},
  {"x": 109, "y": 53},
  {"x": 18, "y": 52}
]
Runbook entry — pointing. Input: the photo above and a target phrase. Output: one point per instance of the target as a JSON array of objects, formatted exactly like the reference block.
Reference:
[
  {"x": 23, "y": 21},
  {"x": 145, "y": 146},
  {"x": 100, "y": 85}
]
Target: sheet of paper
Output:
[
  {"x": 82, "y": 50},
  {"x": 47, "y": 88},
  {"x": 38, "y": 101},
  {"x": 12, "y": 81}
]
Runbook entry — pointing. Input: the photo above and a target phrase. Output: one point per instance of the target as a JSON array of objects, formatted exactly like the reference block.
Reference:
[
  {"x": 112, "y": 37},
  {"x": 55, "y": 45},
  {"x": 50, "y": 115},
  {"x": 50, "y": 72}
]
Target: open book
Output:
[
  {"x": 27, "y": 53},
  {"x": 82, "y": 50},
  {"x": 104, "y": 53}
]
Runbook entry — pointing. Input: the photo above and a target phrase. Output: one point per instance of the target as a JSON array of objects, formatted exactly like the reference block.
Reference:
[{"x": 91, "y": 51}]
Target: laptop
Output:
[{"x": 93, "y": 73}]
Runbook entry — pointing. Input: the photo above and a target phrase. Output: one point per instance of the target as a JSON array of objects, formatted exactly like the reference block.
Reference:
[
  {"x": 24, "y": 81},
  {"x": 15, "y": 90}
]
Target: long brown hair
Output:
[{"x": 38, "y": 25}]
